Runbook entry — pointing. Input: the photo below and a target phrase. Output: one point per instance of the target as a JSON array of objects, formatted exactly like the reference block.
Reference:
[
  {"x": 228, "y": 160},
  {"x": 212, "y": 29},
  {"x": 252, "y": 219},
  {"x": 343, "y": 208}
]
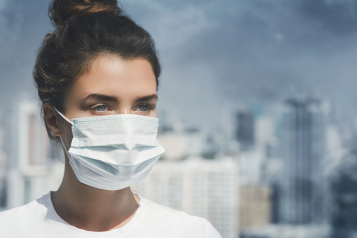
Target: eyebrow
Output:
[
  {"x": 102, "y": 97},
  {"x": 147, "y": 98}
]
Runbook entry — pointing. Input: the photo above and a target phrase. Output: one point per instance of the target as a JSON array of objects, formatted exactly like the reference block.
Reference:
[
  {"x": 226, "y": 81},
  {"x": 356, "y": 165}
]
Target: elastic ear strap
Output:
[
  {"x": 63, "y": 116},
  {"x": 65, "y": 149}
]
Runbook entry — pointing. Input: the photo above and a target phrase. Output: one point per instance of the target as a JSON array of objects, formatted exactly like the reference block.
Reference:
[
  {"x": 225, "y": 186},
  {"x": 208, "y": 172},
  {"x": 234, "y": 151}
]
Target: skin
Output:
[{"x": 111, "y": 86}]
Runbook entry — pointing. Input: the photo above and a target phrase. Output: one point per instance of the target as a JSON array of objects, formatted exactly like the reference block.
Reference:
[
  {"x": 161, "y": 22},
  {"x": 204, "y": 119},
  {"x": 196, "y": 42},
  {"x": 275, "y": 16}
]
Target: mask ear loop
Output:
[
  {"x": 65, "y": 149},
  {"x": 64, "y": 117},
  {"x": 64, "y": 146}
]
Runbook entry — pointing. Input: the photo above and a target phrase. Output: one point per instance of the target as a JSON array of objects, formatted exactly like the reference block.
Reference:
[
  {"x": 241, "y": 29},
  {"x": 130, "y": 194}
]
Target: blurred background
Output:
[{"x": 257, "y": 113}]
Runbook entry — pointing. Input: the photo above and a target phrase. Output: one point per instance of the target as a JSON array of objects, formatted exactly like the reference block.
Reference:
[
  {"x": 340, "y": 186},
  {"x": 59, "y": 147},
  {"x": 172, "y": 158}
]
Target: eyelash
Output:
[
  {"x": 149, "y": 106},
  {"x": 97, "y": 106}
]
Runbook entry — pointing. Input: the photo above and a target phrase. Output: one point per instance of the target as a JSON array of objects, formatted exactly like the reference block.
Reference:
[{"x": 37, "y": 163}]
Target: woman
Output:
[{"x": 97, "y": 77}]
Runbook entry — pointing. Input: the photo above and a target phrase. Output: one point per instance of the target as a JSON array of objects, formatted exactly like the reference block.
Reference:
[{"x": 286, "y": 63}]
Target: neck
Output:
[{"x": 90, "y": 208}]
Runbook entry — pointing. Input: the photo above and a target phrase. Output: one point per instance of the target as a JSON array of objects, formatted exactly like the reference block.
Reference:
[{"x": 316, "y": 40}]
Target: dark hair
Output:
[{"x": 86, "y": 29}]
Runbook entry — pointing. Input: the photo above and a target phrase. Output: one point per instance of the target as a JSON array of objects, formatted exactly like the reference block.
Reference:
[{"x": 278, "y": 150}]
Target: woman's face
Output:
[{"x": 112, "y": 86}]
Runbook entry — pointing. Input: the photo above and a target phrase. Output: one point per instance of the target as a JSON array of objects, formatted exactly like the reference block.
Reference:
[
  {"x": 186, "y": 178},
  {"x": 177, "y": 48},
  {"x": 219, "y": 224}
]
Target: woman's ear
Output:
[{"x": 50, "y": 115}]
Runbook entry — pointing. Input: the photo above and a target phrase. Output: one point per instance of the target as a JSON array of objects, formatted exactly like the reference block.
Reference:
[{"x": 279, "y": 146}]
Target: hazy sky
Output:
[{"x": 216, "y": 54}]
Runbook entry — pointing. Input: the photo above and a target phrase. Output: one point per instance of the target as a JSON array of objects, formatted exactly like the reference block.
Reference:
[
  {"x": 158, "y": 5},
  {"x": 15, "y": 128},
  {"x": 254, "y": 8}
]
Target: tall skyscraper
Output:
[
  {"x": 2, "y": 172},
  {"x": 303, "y": 195},
  {"x": 245, "y": 130},
  {"x": 343, "y": 182}
]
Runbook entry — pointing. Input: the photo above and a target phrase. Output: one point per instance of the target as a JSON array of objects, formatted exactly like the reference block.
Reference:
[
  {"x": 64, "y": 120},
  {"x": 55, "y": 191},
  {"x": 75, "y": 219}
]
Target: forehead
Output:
[{"x": 113, "y": 76}]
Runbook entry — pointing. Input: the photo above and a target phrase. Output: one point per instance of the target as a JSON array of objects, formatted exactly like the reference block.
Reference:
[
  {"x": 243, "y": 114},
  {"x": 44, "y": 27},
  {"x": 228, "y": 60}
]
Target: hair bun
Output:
[{"x": 63, "y": 10}]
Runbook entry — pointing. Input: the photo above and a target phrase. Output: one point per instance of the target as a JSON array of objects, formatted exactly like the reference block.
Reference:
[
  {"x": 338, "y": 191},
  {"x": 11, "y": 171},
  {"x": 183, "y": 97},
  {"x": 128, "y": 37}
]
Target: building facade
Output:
[
  {"x": 303, "y": 187},
  {"x": 205, "y": 188},
  {"x": 31, "y": 169},
  {"x": 254, "y": 206},
  {"x": 245, "y": 130}
]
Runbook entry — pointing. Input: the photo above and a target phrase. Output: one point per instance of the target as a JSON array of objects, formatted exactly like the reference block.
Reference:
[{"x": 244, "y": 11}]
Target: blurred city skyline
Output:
[
  {"x": 265, "y": 180},
  {"x": 217, "y": 56},
  {"x": 268, "y": 86}
]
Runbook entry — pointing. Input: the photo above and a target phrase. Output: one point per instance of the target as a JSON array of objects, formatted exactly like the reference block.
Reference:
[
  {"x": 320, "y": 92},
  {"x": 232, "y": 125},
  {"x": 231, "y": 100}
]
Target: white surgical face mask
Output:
[{"x": 113, "y": 152}]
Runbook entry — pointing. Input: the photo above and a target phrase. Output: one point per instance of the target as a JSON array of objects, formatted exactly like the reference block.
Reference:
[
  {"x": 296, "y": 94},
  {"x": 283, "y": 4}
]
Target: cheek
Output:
[{"x": 153, "y": 113}]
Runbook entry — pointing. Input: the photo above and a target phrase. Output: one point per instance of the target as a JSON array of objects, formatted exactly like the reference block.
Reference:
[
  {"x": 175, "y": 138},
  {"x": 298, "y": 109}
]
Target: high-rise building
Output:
[
  {"x": 205, "y": 188},
  {"x": 253, "y": 163},
  {"x": 245, "y": 130},
  {"x": 303, "y": 187},
  {"x": 343, "y": 183},
  {"x": 254, "y": 206},
  {"x": 2, "y": 172},
  {"x": 250, "y": 167},
  {"x": 30, "y": 169}
]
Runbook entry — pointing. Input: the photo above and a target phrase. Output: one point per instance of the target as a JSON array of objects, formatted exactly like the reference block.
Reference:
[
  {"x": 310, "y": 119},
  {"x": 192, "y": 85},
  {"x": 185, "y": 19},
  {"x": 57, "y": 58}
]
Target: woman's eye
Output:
[
  {"x": 101, "y": 108},
  {"x": 143, "y": 108}
]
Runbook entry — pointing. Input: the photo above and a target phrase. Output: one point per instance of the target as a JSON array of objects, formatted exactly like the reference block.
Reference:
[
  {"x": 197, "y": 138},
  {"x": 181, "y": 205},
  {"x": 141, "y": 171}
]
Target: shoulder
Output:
[
  {"x": 26, "y": 216},
  {"x": 164, "y": 219},
  {"x": 22, "y": 212}
]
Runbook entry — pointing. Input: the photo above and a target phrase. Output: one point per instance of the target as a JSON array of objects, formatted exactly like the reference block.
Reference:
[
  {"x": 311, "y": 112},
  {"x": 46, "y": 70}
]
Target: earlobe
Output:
[{"x": 50, "y": 116}]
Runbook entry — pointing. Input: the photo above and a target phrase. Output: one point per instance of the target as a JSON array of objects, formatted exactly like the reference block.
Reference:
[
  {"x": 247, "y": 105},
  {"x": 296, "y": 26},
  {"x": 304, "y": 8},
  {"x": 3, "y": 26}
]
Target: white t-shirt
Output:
[{"x": 38, "y": 219}]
